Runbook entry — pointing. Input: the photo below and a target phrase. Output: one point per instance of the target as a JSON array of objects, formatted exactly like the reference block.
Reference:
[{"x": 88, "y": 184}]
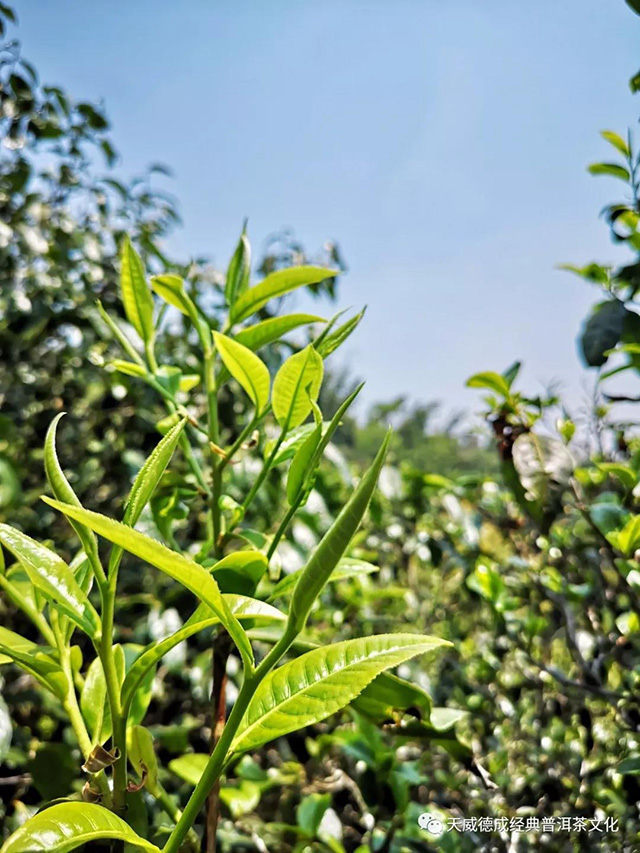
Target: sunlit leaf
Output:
[
  {"x": 277, "y": 284},
  {"x": 136, "y": 296},
  {"x": 66, "y": 826},
  {"x": 187, "y": 572},
  {"x": 321, "y": 682},
  {"x": 149, "y": 475},
  {"x": 249, "y": 371},
  {"x": 297, "y": 383},
  {"x": 53, "y": 577}
]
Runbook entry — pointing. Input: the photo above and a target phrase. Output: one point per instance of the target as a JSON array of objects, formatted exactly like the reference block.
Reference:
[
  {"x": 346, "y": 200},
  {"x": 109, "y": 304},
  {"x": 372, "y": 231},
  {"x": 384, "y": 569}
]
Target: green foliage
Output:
[{"x": 228, "y": 566}]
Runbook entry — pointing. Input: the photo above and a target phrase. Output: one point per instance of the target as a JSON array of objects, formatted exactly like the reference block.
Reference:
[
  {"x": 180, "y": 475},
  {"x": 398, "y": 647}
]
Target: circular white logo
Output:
[{"x": 430, "y": 823}]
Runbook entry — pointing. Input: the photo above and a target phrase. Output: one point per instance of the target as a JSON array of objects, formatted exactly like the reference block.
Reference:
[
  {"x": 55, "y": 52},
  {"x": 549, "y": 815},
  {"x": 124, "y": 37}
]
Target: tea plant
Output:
[{"x": 231, "y": 569}]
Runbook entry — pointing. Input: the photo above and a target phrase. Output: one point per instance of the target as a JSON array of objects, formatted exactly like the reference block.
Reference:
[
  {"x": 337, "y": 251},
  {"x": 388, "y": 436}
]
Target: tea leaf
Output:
[
  {"x": 187, "y": 572},
  {"x": 171, "y": 289},
  {"x": 302, "y": 464},
  {"x": 297, "y": 383},
  {"x": 611, "y": 169},
  {"x": 249, "y": 371},
  {"x": 136, "y": 296},
  {"x": 492, "y": 381},
  {"x": 140, "y": 752},
  {"x": 53, "y": 577},
  {"x": 62, "y": 489},
  {"x": 334, "y": 543},
  {"x": 321, "y": 682},
  {"x": 335, "y": 339},
  {"x": 149, "y": 475},
  {"x": 239, "y": 270},
  {"x": 189, "y": 767},
  {"x": 35, "y": 660},
  {"x": 277, "y": 284},
  {"x": 69, "y": 825},
  {"x": 616, "y": 140},
  {"x": 240, "y": 572},
  {"x": 267, "y": 331}
]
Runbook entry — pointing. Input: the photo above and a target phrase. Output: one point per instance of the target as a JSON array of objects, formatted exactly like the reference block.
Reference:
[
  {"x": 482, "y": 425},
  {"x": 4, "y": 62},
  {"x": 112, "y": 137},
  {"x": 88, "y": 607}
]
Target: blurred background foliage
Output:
[{"x": 520, "y": 544}]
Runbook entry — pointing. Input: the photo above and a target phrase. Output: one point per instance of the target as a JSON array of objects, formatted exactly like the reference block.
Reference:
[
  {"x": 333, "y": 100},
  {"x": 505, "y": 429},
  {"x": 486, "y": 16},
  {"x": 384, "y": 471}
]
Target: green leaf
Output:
[
  {"x": 303, "y": 464},
  {"x": 242, "y": 798},
  {"x": 239, "y": 270},
  {"x": 277, "y": 284},
  {"x": 490, "y": 380},
  {"x": 267, "y": 331},
  {"x": 348, "y": 567},
  {"x": 94, "y": 703},
  {"x": 616, "y": 140},
  {"x": 142, "y": 756},
  {"x": 240, "y": 572},
  {"x": 590, "y": 272},
  {"x": 627, "y": 476},
  {"x": 334, "y": 543},
  {"x": 62, "y": 489},
  {"x": 53, "y": 577},
  {"x": 319, "y": 683},
  {"x": 296, "y": 385},
  {"x": 136, "y": 296},
  {"x": 310, "y": 812},
  {"x": 69, "y": 825},
  {"x": 612, "y": 169},
  {"x": 35, "y": 660},
  {"x": 293, "y": 440},
  {"x": 249, "y": 371},
  {"x": 189, "y": 767},
  {"x": 129, "y": 368},
  {"x": 335, "y": 339},
  {"x": 602, "y": 331},
  {"x": 149, "y": 475},
  {"x": 629, "y": 766},
  {"x": 627, "y": 540},
  {"x": 171, "y": 289},
  {"x": 187, "y": 572}
]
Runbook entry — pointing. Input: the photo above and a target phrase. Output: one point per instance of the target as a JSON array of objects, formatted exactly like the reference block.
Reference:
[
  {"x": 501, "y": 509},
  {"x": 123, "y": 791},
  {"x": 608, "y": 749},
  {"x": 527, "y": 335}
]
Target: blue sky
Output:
[{"x": 443, "y": 144}]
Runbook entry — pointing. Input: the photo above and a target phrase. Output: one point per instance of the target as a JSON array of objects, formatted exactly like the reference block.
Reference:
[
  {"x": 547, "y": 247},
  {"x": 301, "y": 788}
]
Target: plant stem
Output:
[
  {"x": 118, "y": 722},
  {"x": 219, "y": 756},
  {"x": 70, "y": 704}
]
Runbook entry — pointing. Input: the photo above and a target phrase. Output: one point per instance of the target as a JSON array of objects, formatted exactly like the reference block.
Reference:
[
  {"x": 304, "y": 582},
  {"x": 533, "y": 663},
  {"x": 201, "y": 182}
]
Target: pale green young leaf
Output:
[
  {"x": 331, "y": 342},
  {"x": 171, "y": 289},
  {"x": 616, "y": 140},
  {"x": 627, "y": 540},
  {"x": 53, "y": 577},
  {"x": 612, "y": 169},
  {"x": 239, "y": 270},
  {"x": 189, "y": 767},
  {"x": 334, "y": 544},
  {"x": 35, "y": 660},
  {"x": 94, "y": 703},
  {"x": 62, "y": 490},
  {"x": 142, "y": 756},
  {"x": 491, "y": 381},
  {"x": 136, "y": 296},
  {"x": 129, "y": 368},
  {"x": 293, "y": 440},
  {"x": 243, "y": 608},
  {"x": 296, "y": 385},
  {"x": 267, "y": 331},
  {"x": 182, "y": 569},
  {"x": 315, "y": 685},
  {"x": 67, "y": 826},
  {"x": 277, "y": 284},
  {"x": 249, "y": 371},
  {"x": 302, "y": 464},
  {"x": 149, "y": 475}
]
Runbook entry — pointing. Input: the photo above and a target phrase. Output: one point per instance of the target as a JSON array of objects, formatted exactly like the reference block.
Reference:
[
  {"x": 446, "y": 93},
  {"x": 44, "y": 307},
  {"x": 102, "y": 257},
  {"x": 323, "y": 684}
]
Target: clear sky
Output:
[{"x": 442, "y": 143}]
